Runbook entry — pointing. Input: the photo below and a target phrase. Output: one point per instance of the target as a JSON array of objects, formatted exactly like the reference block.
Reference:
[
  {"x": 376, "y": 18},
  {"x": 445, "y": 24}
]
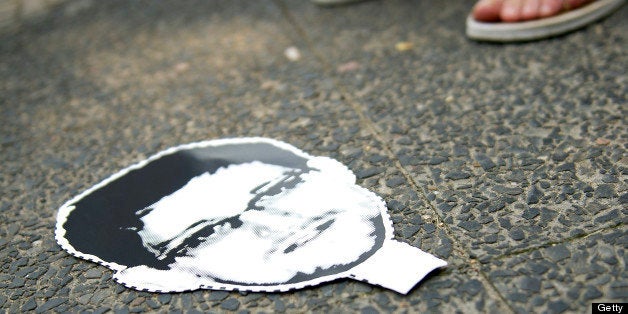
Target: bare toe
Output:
[
  {"x": 550, "y": 7},
  {"x": 530, "y": 9},
  {"x": 487, "y": 10}
]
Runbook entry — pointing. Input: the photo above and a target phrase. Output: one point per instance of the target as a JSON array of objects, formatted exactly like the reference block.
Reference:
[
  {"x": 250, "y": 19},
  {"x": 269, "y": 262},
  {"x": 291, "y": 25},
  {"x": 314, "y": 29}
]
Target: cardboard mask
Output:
[{"x": 251, "y": 214}]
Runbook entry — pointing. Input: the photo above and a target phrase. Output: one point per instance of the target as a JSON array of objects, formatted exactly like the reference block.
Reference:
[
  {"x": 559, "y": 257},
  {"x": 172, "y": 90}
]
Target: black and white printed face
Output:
[
  {"x": 257, "y": 223},
  {"x": 233, "y": 214}
]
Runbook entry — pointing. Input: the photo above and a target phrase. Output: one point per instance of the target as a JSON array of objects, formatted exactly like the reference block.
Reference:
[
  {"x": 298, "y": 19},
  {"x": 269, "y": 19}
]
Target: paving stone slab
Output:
[{"x": 471, "y": 166}]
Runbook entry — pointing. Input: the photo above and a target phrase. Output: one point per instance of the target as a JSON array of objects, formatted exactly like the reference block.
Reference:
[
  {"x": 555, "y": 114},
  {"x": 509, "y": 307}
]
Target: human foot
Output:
[
  {"x": 525, "y": 20},
  {"x": 522, "y": 10}
]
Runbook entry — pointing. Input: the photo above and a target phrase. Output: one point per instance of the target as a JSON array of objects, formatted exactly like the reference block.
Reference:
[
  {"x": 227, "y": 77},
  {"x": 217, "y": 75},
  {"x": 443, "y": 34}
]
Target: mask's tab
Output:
[{"x": 397, "y": 266}]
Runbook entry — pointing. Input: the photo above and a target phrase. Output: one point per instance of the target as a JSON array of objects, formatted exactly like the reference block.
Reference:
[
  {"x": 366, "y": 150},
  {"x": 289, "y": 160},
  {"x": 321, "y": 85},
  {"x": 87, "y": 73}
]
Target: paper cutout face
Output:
[{"x": 249, "y": 214}]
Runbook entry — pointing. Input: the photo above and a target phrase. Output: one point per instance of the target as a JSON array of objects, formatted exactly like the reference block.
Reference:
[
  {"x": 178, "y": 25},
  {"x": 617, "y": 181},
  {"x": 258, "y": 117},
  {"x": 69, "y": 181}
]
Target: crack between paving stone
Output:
[
  {"x": 496, "y": 291},
  {"x": 563, "y": 241},
  {"x": 364, "y": 120},
  {"x": 373, "y": 129},
  {"x": 470, "y": 262}
]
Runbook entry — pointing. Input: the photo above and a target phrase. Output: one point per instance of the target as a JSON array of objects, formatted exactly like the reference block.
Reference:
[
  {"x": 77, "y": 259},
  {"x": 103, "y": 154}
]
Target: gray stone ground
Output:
[{"x": 509, "y": 161}]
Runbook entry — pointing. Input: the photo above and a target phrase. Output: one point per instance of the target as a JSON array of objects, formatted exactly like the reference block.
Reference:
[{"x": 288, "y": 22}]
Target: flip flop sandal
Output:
[{"x": 542, "y": 28}]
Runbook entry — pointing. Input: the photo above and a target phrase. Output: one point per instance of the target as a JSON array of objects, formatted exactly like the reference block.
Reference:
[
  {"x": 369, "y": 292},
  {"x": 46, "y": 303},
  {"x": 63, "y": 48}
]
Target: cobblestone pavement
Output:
[{"x": 509, "y": 161}]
